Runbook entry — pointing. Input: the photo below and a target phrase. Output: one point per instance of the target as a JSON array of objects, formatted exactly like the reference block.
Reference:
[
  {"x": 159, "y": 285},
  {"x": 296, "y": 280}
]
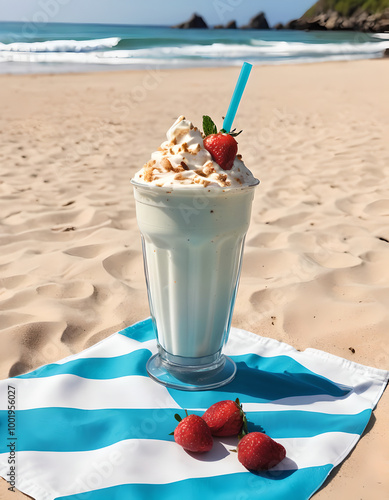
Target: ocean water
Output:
[{"x": 55, "y": 47}]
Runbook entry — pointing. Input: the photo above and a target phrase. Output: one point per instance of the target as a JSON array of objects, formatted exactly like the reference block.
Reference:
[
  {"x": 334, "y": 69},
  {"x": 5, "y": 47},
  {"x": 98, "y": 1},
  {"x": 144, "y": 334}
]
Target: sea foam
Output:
[{"x": 61, "y": 45}]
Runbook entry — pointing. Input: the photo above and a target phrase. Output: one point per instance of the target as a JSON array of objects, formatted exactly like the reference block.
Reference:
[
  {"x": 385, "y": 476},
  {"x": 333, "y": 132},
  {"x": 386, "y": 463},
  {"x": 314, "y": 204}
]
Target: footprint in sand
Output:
[
  {"x": 38, "y": 344},
  {"x": 10, "y": 319},
  {"x": 69, "y": 290},
  {"x": 18, "y": 368},
  {"x": 292, "y": 220},
  {"x": 17, "y": 299},
  {"x": 85, "y": 219},
  {"x": 72, "y": 334},
  {"x": 334, "y": 260},
  {"x": 17, "y": 281},
  {"x": 123, "y": 265},
  {"x": 267, "y": 240},
  {"x": 270, "y": 264},
  {"x": 379, "y": 207},
  {"x": 87, "y": 251},
  {"x": 359, "y": 203}
]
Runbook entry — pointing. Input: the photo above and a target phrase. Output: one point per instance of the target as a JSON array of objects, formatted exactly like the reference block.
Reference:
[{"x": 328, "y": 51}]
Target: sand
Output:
[{"x": 316, "y": 266}]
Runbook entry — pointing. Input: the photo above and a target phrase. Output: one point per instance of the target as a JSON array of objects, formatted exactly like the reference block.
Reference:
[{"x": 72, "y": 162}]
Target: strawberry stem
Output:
[
  {"x": 244, "y": 429},
  {"x": 210, "y": 128}
]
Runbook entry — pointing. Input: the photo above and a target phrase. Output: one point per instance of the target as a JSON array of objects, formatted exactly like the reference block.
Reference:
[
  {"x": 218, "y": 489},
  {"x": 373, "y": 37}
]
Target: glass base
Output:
[{"x": 199, "y": 377}]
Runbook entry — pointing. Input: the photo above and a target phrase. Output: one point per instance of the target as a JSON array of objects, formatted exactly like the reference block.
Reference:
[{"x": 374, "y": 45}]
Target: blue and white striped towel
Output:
[{"x": 94, "y": 426}]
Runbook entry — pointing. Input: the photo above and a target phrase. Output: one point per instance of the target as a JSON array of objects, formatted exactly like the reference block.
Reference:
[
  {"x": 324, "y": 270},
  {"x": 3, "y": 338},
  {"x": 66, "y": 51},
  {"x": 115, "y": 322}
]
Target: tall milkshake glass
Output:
[{"x": 192, "y": 242}]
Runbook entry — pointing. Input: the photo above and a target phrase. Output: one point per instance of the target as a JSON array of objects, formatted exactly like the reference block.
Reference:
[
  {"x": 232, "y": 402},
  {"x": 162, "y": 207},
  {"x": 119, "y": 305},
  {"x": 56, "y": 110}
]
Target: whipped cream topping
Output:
[{"x": 182, "y": 160}]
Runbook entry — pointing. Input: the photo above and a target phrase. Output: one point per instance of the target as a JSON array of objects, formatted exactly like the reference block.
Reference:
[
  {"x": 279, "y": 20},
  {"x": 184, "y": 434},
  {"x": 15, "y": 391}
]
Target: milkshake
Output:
[{"x": 193, "y": 217}]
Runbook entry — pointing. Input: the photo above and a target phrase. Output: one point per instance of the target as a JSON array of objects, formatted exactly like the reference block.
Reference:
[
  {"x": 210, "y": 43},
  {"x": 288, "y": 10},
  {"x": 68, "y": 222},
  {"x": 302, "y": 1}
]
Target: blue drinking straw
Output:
[{"x": 237, "y": 96}]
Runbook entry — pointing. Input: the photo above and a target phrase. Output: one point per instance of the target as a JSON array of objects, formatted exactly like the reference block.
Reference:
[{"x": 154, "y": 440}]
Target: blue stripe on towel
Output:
[
  {"x": 72, "y": 429},
  {"x": 133, "y": 363},
  {"x": 293, "y": 484}
]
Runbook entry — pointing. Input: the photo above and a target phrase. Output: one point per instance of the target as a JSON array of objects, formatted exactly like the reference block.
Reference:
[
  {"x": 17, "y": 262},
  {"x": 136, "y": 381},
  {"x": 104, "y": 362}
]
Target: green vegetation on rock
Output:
[{"x": 347, "y": 7}]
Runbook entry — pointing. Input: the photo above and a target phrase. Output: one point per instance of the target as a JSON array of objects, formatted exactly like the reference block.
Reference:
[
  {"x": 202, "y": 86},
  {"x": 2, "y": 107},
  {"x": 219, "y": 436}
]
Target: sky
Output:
[{"x": 158, "y": 12}]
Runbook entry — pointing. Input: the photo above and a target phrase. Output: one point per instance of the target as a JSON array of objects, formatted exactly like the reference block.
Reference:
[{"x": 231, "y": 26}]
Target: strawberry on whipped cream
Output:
[{"x": 182, "y": 160}]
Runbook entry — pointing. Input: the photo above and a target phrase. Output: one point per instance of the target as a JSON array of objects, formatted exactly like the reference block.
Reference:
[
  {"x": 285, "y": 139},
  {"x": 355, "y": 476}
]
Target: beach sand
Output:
[{"x": 316, "y": 265}]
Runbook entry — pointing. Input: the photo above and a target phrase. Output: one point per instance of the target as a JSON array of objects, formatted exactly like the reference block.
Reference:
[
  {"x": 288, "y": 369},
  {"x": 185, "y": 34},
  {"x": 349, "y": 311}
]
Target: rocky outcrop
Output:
[
  {"x": 195, "y": 21},
  {"x": 229, "y": 26},
  {"x": 305, "y": 24},
  {"x": 360, "y": 20},
  {"x": 258, "y": 22},
  {"x": 386, "y": 53},
  {"x": 313, "y": 20}
]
